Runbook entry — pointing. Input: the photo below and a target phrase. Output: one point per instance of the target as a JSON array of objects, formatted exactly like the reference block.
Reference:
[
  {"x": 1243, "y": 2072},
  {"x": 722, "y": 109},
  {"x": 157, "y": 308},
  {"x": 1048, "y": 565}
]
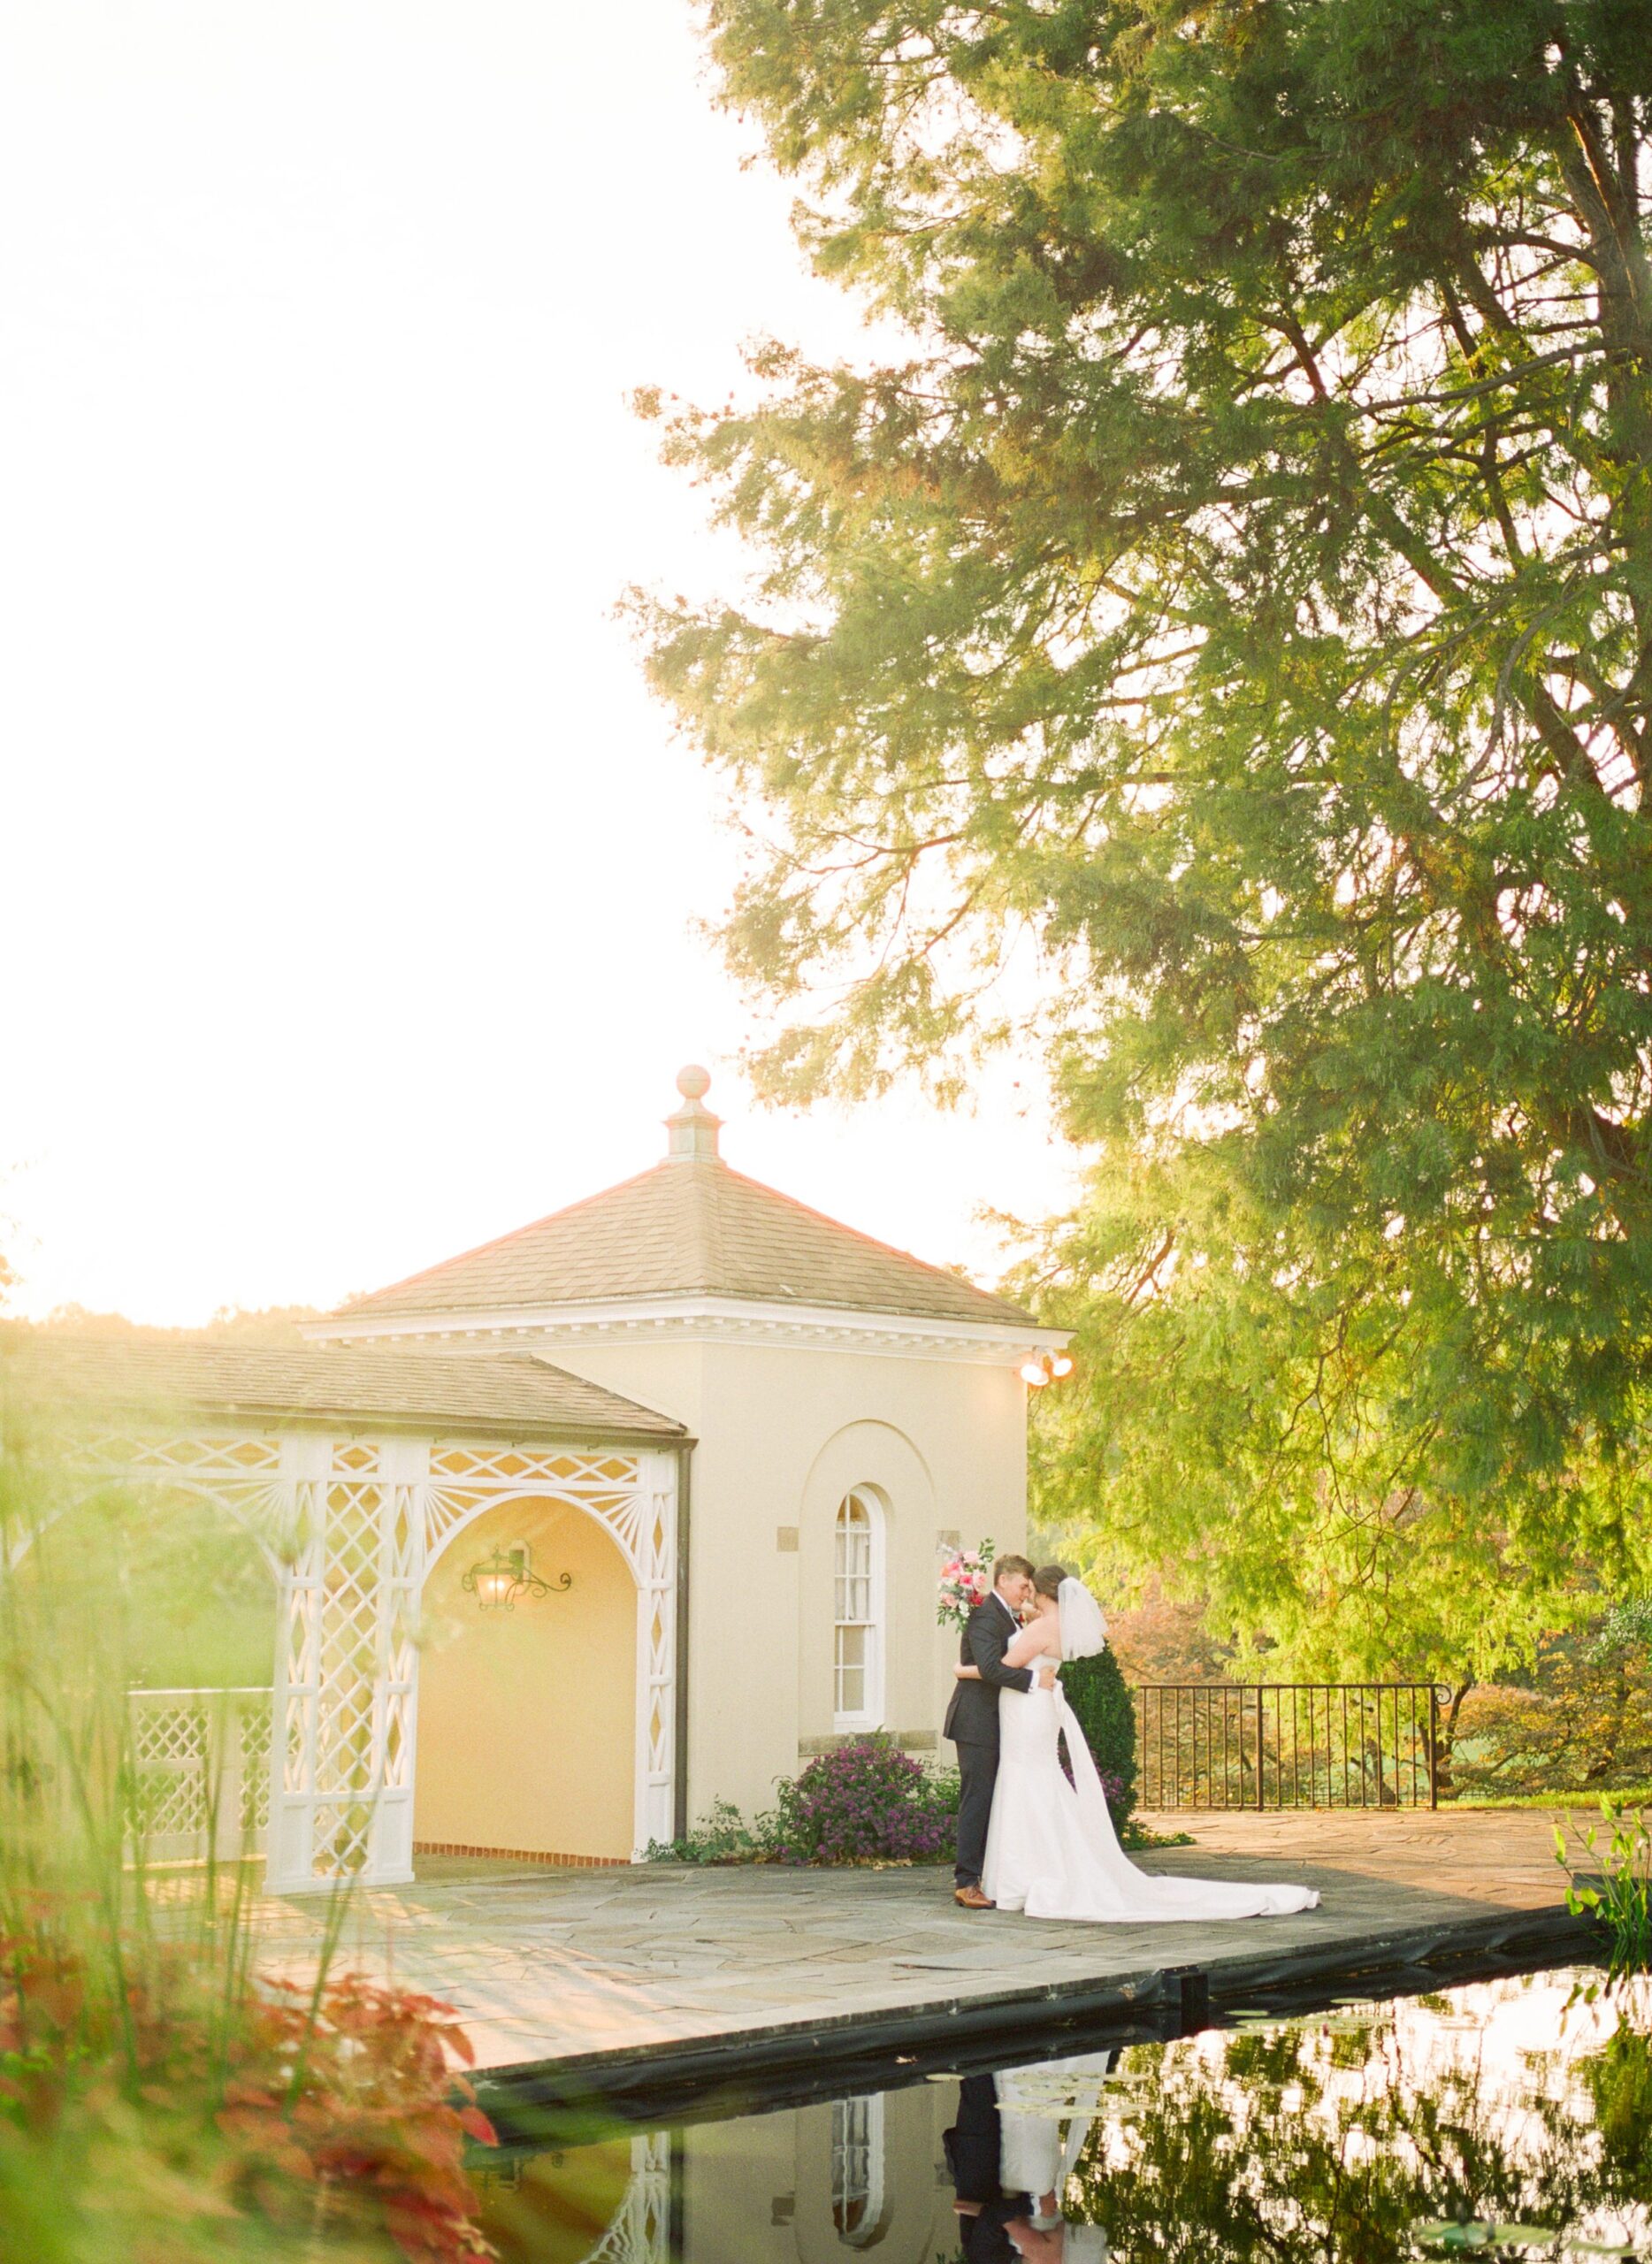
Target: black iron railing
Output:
[{"x": 1287, "y": 1744}]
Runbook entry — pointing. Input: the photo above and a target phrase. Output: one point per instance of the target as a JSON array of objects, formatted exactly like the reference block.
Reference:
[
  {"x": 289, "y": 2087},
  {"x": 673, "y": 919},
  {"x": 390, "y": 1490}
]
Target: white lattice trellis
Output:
[
  {"x": 351, "y": 1527},
  {"x": 348, "y": 1670},
  {"x": 240, "y": 1474},
  {"x": 200, "y": 1763},
  {"x": 464, "y": 1481}
]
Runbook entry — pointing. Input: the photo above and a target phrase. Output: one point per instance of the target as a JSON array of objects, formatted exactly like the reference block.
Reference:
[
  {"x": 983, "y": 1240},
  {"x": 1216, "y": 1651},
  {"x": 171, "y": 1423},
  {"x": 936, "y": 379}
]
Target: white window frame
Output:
[{"x": 870, "y": 1716}]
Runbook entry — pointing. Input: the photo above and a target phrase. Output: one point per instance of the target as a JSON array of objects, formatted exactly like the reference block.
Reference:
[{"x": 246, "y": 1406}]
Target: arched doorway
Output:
[{"x": 527, "y": 1715}]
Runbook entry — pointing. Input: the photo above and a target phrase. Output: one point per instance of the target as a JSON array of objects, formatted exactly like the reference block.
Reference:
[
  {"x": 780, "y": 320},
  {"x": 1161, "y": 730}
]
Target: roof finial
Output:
[{"x": 693, "y": 1129}]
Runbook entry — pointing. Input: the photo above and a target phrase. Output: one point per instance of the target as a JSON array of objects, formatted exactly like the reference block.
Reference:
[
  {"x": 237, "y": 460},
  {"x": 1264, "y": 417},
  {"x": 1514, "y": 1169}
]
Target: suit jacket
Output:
[{"x": 972, "y": 1718}]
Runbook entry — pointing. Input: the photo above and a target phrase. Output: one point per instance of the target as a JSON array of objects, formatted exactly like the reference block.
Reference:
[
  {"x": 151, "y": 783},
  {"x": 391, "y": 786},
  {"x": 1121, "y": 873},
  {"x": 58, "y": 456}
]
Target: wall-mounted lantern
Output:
[
  {"x": 498, "y": 1580},
  {"x": 1040, "y": 1368}
]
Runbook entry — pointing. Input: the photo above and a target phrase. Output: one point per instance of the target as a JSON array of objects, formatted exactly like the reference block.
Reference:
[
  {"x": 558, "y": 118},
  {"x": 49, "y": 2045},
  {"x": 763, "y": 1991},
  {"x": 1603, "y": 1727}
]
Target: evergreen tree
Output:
[{"x": 1235, "y": 604}]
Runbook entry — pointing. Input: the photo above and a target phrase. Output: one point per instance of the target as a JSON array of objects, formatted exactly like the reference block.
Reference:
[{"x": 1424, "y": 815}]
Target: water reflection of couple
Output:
[
  {"x": 1027, "y": 1839},
  {"x": 1010, "y": 2151}
]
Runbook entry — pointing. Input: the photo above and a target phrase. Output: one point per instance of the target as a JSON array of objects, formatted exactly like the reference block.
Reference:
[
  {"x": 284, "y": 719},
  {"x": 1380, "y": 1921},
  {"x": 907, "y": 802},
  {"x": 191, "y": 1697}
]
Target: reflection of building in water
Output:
[
  {"x": 641, "y": 2230},
  {"x": 607, "y": 2198},
  {"x": 803, "y": 2185},
  {"x": 857, "y": 2170},
  {"x": 800, "y": 2186}
]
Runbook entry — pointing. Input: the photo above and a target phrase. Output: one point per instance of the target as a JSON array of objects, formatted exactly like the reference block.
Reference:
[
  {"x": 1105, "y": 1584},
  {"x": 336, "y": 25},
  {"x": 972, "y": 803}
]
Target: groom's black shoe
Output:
[{"x": 971, "y": 1898}]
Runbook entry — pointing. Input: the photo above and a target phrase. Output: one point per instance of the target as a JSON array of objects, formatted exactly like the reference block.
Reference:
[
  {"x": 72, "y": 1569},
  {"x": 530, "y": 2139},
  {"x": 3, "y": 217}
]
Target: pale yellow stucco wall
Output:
[
  {"x": 527, "y": 1719},
  {"x": 783, "y": 1433}
]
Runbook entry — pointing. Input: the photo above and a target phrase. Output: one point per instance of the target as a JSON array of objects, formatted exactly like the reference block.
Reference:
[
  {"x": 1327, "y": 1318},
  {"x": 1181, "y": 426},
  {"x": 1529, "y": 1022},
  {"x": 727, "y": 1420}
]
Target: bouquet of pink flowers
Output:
[{"x": 966, "y": 1581}]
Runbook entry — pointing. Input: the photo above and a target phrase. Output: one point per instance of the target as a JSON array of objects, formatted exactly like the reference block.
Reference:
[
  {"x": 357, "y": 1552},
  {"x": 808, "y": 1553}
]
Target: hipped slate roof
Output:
[
  {"x": 689, "y": 1227},
  {"x": 508, "y": 1394}
]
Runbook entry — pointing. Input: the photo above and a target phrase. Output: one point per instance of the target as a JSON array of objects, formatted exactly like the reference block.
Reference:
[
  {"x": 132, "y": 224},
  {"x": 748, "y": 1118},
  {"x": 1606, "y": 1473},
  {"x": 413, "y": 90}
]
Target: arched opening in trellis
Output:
[
  {"x": 180, "y": 1594},
  {"x": 527, "y": 1704}
]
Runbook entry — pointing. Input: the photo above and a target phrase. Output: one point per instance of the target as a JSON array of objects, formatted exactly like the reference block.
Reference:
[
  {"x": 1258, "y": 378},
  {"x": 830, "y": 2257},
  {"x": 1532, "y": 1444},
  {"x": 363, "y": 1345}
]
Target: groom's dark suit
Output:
[
  {"x": 972, "y": 1723},
  {"x": 974, "y": 2148}
]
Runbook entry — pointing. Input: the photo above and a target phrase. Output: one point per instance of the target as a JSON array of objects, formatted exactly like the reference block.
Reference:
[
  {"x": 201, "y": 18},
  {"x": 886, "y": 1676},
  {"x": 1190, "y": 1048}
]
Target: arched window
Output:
[
  {"x": 858, "y": 1637},
  {"x": 857, "y": 2170}
]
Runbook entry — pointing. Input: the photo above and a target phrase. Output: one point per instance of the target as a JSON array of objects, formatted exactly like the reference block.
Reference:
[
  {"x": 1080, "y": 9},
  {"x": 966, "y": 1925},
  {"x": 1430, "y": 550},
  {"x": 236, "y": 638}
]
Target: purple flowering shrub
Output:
[{"x": 866, "y": 1802}]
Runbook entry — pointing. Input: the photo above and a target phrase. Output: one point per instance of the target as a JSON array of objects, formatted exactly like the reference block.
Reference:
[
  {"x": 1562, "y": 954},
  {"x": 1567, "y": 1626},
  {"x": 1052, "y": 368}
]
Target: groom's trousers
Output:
[{"x": 977, "y": 1772}]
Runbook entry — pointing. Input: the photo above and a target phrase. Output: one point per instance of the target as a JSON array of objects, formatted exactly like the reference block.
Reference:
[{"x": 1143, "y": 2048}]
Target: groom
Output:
[{"x": 972, "y": 1720}]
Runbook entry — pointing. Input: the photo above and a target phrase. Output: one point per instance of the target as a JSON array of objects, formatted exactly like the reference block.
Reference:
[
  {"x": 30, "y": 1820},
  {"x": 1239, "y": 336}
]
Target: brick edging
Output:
[{"x": 522, "y": 1855}]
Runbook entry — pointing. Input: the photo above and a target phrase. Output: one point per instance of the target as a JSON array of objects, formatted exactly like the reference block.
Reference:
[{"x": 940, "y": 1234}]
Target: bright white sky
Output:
[{"x": 348, "y": 868}]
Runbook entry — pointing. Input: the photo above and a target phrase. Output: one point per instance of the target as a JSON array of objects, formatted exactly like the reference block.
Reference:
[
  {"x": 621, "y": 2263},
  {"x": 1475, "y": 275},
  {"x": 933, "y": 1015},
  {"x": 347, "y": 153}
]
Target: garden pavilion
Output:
[{"x": 569, "y": 1536}]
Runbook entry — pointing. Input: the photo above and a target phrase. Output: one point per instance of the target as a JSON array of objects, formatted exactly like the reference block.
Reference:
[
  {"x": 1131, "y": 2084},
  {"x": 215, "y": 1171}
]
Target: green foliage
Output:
[
  {"x": 722, "y": 1835},
  {"x": 160, "y": 2101},
  {"x": 1211, "y": 647},
  {"x": 1622, "y": 1901},
  {"x": 1099, "y": 1696}
]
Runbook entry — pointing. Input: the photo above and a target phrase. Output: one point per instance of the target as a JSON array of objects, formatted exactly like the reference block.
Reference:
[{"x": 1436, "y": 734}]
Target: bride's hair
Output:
[{"x": 1048, "y": 1579}]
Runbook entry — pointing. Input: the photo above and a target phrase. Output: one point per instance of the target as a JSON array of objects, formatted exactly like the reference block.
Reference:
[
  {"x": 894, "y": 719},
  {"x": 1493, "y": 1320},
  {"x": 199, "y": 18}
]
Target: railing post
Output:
[
  {"x": 1433, "y": 1745},
  {"x": 1261, "y": 1794}
]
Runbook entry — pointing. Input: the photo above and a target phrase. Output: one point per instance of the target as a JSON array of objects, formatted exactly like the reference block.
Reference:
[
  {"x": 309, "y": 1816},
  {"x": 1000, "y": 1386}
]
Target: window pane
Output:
[{"x": 852, "y": 1654}]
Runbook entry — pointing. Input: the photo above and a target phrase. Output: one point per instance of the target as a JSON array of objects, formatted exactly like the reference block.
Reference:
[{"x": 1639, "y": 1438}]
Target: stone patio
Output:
[{"x": 573, "y": 1967}]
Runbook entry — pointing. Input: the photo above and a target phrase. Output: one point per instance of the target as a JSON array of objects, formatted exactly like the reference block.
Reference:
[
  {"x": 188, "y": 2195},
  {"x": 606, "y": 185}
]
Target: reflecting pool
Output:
[{"x": 1510, "y": 2117}]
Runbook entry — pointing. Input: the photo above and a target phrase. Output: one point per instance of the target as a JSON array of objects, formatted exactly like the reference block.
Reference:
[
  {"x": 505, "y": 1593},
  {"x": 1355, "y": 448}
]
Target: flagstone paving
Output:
[{"x": 549, "y": 1965}]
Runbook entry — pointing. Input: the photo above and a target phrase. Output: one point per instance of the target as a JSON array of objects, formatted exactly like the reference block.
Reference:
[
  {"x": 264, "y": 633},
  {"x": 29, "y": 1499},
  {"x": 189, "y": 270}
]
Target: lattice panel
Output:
[
  {"x": 257, "y": 1723},
  {"x": 343, "y": 1832},
  {"x": 191, "y": 1457},
  {"x": 242, "y": 1475},
  {"x": 302, "y": 1679},
  {"x": 168, "y": 1793},
  {"x": 522, "y": 1467},
  {"x": 660, "y": 1589},
  {"x": 403, "y": 1570},
  {"x": 350, "y": 1606},
  {"x": 450, "y": 1507},
  {"x": 198, "y": 1758}
]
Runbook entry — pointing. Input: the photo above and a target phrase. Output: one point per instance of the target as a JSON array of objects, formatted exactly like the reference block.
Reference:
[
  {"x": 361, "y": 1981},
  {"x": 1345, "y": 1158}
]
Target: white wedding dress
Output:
[
  {"x": 1051, "y": 1850},
  {"x": 1048, "y": 2112}
]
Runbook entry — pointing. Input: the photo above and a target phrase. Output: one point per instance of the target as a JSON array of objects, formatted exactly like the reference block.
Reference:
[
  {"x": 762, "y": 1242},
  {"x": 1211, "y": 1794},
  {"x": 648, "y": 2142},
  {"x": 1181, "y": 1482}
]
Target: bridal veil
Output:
[{"x": 1083, "y": 1630}]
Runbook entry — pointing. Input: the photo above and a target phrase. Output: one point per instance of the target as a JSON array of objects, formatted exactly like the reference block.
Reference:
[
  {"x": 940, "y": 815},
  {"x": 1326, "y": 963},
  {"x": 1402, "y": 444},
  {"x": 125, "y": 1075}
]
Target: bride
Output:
[{"x": 1051, "y": 1850}]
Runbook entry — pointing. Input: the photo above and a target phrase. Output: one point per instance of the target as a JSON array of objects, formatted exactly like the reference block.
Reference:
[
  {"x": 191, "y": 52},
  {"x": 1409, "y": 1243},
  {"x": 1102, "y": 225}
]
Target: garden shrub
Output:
[
  {"x": 325, "y": 2115},
  {"x": 864, "y": 1802},
  {"x": 1099, "y": 1695},
  {"x": 1580, "y": 1721},
  {"x": 722, "y": 1835}
]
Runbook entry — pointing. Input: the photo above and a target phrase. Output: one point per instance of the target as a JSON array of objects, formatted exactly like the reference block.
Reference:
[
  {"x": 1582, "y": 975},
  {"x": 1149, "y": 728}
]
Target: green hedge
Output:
[{"x": 1099, "y": 1695}]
